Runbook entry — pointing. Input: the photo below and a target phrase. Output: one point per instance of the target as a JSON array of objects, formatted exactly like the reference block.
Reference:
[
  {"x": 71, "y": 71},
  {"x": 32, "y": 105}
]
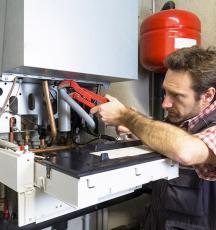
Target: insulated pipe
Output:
[
  {"x": 153, "y": 6},
  {"x": 77, "y": 108},
  {"x": 9, "y": 145},
  {"x": 64, "y": 115},
  {"x": 50, "y": 111}
]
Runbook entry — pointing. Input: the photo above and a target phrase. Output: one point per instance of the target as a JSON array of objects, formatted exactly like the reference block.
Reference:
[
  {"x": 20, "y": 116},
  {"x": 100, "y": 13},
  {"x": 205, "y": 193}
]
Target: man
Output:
[{"x": 189, "y": 101}]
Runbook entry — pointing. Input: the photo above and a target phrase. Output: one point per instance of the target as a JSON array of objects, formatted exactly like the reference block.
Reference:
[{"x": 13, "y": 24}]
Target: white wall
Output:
[
  {"x": 205, "y": 10},
  {"x": 2, "y": 22}
]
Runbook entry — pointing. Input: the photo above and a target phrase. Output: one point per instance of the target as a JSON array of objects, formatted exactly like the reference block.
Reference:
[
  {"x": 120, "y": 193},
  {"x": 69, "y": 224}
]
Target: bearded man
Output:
[{"x": 188, "y": 136}]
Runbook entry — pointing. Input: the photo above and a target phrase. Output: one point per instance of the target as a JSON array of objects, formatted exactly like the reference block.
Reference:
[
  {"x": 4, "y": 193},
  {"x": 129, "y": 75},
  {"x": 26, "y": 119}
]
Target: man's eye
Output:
[{"x": 175, "y": 95}]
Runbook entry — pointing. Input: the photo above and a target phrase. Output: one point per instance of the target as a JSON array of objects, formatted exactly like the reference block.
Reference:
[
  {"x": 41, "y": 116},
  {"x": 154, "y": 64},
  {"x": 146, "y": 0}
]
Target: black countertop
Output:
[{"x": 79, "y": 162}]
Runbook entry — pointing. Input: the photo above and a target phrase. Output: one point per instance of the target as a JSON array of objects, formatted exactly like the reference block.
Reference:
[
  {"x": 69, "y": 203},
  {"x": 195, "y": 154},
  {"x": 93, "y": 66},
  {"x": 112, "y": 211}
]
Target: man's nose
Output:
[{"x": 167, "y": 102}]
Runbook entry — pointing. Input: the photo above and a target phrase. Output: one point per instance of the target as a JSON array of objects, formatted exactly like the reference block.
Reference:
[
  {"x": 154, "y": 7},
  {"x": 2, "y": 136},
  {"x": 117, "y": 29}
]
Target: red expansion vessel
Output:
[{"x": 163, "y": 33}]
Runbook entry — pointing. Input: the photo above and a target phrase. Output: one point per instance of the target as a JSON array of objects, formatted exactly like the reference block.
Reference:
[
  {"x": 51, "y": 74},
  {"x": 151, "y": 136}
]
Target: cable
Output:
[
  {"x": 100, "y": 137},
  {"x": 2, "y": 110},
  {"x": 97, "y": 137},
  {"x": 85, "y": 143},
  {"x": 9, "y": 145},
  {"x": 11, "y": 103}
]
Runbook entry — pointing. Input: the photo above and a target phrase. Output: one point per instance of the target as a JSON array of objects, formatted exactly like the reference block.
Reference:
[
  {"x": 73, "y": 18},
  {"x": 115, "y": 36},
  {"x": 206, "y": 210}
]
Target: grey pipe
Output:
[
  {"x": 64, "y": 115},
  {"x": 77, "y": 108}
]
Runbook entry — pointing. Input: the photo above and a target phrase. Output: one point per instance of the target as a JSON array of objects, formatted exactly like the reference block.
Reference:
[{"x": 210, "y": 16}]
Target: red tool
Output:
[{"x": 82, "y": 95}]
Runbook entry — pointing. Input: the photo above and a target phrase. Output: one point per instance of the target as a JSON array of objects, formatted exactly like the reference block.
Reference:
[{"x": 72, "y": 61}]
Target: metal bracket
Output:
[
  {"x": 137, "y": 172},
  {"x": 90, "y": 184},
  {"x": 8, "y": 77},
  {"x": 172, "y": 163}
]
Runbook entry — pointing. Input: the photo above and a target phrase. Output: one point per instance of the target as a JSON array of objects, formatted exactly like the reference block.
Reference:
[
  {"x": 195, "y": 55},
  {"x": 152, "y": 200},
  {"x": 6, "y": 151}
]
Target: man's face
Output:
[{"x": 180, "y": 100}]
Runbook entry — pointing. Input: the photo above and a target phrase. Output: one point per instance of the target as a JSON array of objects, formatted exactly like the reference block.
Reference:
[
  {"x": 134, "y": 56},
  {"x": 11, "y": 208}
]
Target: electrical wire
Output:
[
  {"x": 100, "y": 137},
  {"x": 9, "y": 145},
  {"x": 3, "y": 109},
  {"x": 11, "y": 103},
  {"x": 97, "y": 137}
]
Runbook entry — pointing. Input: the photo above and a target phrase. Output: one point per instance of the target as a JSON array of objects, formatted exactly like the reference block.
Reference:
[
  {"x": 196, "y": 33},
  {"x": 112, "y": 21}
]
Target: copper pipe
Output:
[
  {"x": 11, "y": 134},
  {"x": 40, "y": 157},
  {"x": 42, "y": 143},
  {"x": 50, "y": 111},
  {"x": 27, "y": 137},
  {"x": 52, "y": 149}
]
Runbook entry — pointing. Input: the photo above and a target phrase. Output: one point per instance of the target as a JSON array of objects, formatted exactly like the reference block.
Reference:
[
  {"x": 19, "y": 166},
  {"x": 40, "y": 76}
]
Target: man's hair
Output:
[{"x": 200, "y": 63}]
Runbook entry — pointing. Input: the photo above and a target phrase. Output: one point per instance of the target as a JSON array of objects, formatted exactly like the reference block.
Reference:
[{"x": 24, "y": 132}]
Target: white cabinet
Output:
[
  {"x": 99, "y": 187},
  {"x": 91, "y": 40}
]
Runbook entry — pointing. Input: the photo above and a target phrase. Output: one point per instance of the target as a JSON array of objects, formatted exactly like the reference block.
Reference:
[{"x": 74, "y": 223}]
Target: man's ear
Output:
[{"x": 208, "y": 96}]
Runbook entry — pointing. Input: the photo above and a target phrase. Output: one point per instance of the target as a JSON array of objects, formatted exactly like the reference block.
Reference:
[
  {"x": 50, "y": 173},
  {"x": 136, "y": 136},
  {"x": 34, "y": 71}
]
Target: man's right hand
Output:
[
  {"x": 112, "y": 112},
  {"x": 122, "y": 130}
]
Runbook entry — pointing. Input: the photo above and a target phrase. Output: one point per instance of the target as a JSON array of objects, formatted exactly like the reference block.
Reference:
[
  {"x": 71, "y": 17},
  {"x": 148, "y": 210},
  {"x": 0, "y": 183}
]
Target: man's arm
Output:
[
  {"x": 168, "y": 140},
  {"x": 164, "y": 138}
]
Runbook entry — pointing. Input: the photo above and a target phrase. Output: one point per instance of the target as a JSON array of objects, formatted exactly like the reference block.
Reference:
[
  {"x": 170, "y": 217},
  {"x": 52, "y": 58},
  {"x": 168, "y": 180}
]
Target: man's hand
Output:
[
  {"x": 111, "y": 112},
  {"x": 122, "y": 130}
]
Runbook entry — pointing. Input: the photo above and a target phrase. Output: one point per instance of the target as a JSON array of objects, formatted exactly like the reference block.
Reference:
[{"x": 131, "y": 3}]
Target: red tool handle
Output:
[{"x": 83, "y": 95}]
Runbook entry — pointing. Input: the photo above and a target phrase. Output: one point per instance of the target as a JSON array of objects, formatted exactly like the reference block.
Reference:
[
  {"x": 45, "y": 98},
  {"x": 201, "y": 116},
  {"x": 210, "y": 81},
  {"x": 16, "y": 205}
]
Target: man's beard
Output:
[{"x": 174, "y": 117}]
